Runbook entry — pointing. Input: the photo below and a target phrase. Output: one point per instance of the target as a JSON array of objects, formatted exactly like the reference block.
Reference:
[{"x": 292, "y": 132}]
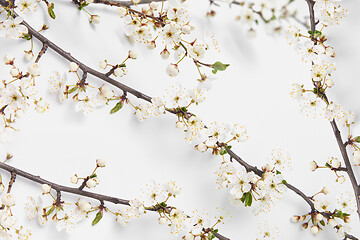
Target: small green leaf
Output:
[
  {"x": 93, "y": 175},
  {"x": 50, "y": 211},
  {"x": 284, "y": 181},
  {"x": 247, "y": 199},
  {"x": 223, "y": 151},
  {"x": 218, "y": 66},
  {"x": 322, "y": 223},
  {"x": 278, "y": 172},
  {"x": 122, "y": 65},
  {"x": 210, "y": 236},
  {"x": 214, "y": 71},
  {"x": 228, "y": 147},
  {"x": 117, "y": 107},
  {"x": 84, "y": 4},
  {"x": 72, "y": 90},
  {"x": 51, "y": 11},
  {"x": 357, "y": 139},
  {"x": 26, "y": 36},
  {"x": 97, "y": 218},
  {"x": 328, "y": 165}
]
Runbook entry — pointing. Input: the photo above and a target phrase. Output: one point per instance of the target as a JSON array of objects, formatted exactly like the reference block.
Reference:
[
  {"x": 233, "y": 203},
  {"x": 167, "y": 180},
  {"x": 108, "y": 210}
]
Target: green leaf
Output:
[
  {"x": 322, "y": 223},
  {"x": 72, "y": 90},
  {"x": 26, "y": 36},
  {"x": 84, "y": 4},
  {"x": 50, "y": 211},
  {"x": 357, "y": 139},
  {"x": 93, "y": 175},
  {"x": 247, "y": 199},
  {"x": 122, "y": 65},
  {"x": 284, "y": 181},
  {"x": 223, "y": 151},
  {"x": 218, "y": 66},
  {"x": 228, "y": 147},
  {"x": 97, "y": 218},
  {"x": 278, "y": 172},
  {"x": 184, "y": 109},
  {"x": 317, "y": 33},
  {"x": 328, "y": 165},
  {"x": 210, "y": 236},
  {"x": 117, "y": 107},
  {"x": 51, "y": 11}
]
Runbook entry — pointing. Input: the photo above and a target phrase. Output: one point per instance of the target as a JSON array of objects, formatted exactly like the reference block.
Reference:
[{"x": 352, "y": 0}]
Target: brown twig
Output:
[
  {"x": 341, "y": 144},
  {"x": 60, "y": 188}
]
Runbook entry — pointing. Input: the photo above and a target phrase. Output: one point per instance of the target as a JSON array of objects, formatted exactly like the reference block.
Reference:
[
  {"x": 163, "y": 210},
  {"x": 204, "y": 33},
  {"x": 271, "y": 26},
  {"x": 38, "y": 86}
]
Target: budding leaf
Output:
[
  {"x": 218, "y": 66},
  {"x": 357, "y": 139},
  {"x": 210, "y": 236},
  {"x": 26, "y": 36},
  {"x": 72, "y": 90},
  {"x": 84, "y": 4},
  {"x": 117, "y": 107},
  {"x": 247, "y": 199},
  {"x": 50, "y": 211},
  {"x": 97, "y": 218},
  {"x": 51, "y": 11}
]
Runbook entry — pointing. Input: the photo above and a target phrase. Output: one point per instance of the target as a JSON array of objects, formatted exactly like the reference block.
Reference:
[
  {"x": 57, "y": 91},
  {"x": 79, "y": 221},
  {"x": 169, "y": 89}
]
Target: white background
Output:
[{"x": 254, "y": 91}]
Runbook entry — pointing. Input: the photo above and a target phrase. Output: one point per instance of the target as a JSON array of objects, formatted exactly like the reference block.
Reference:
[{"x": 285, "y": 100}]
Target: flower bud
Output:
[
  {"x": 45, "y": 188},
  {"x": 100, "y": 162},
  {"x": 95, "y": 19},
  {"x": 314, "y": 229},
  {"x": 172, "y": 70},
  {"x": 74, "y": 179},
  {"x": 133, "y": 54},
  {"x": 201, "y": 147},
  {"x": 295, "y": 219},
  {"x": 165, "y": 54},
  {"x": 73, "y": 67},
  {"x": 91, "y": 183},
  {"x": 103, "y": 64},
  {"x": 162, "y": 221},
  {"x": 179, "y": 124}
]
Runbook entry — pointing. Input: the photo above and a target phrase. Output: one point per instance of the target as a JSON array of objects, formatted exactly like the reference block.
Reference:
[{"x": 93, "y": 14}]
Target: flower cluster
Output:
[
  {"x": 321, "y": 217},
  {"x": 273, "y": 15},
  {"x": 167, "y": 26},
  {"x": 246, "y": 187},
  {"x": 18, "y": 94},
  {"x": 313, "y": 48},
  {"x": 155, "y": 197}
]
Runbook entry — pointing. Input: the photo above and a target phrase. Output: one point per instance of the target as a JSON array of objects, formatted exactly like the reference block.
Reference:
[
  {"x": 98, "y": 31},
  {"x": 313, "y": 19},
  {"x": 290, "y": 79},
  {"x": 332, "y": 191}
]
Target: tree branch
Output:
[
  {"x": 62, "y": 188},
  {"x": 349, "y": 169},
  {"x": 342, "y": 146}
]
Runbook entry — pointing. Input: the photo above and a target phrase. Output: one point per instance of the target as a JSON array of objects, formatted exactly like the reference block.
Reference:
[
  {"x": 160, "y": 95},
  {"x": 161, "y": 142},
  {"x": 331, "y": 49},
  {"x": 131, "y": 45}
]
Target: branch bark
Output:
[
  {"x": 61, "y": 188},
  {"x": 341, "y": 144}
]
